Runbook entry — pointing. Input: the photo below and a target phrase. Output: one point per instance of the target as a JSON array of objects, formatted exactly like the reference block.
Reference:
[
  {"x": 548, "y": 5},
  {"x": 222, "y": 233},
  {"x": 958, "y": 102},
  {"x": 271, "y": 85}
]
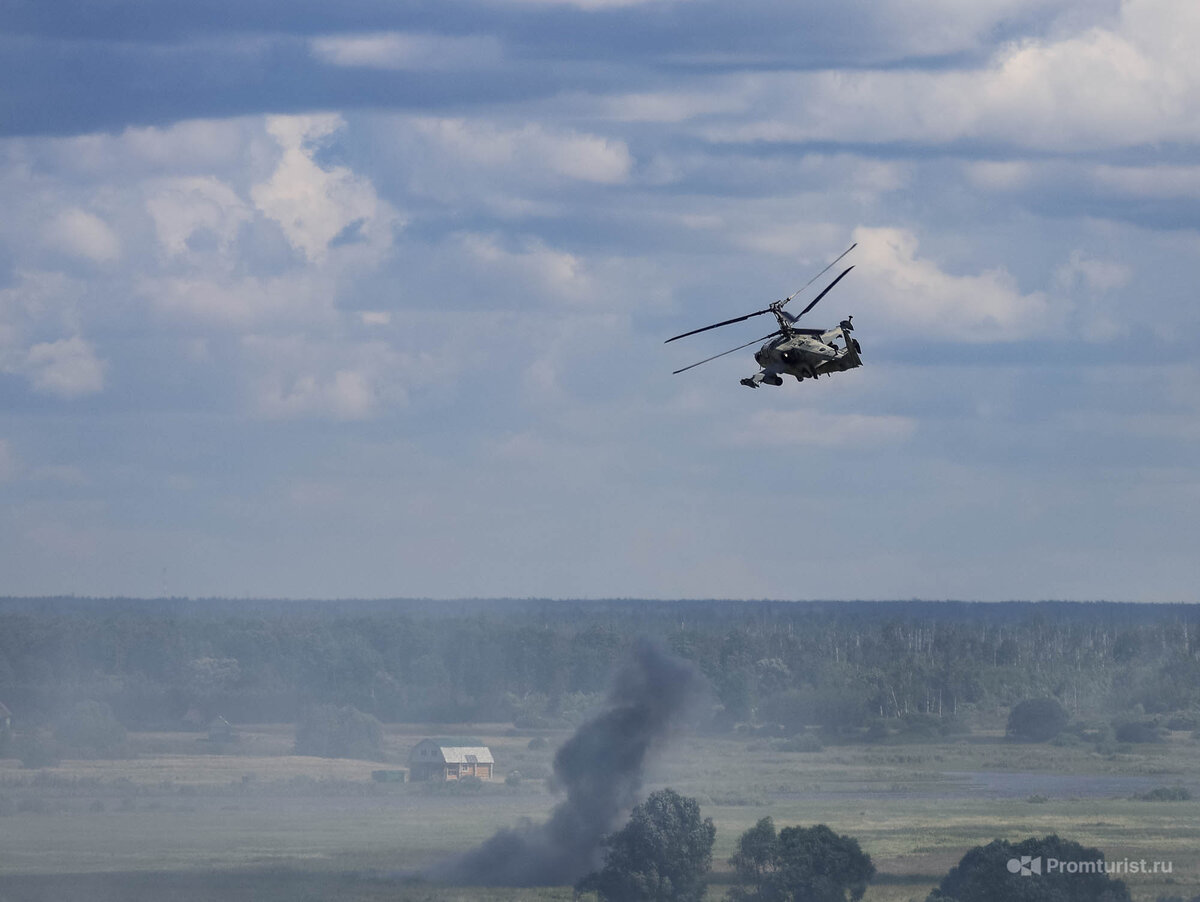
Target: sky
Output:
[{"x": 368, "y": 299}]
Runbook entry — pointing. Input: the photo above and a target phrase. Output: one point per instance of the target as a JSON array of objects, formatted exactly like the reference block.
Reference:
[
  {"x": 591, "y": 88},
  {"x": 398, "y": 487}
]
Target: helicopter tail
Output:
[{"x": 850, "y": 356}]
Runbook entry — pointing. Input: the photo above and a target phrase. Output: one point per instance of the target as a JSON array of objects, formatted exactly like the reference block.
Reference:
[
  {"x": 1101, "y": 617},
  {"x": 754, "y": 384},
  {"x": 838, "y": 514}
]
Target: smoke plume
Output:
[{"x": 600, "y": 770}]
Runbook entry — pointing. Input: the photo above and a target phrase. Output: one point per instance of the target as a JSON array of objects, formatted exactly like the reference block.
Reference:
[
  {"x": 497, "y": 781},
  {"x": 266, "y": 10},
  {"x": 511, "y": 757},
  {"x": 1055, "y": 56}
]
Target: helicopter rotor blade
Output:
[
  {"x": 828, "y": 288},
  {"x": 821, "y": 273},
  {"x": 779, "y": 304},
  {"x": 728, "y": 322},
  {"x": 723, "y": 353}
]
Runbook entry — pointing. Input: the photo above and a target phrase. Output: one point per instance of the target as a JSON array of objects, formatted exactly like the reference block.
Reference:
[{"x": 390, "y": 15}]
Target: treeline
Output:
[{"x": 843, "y": 666}]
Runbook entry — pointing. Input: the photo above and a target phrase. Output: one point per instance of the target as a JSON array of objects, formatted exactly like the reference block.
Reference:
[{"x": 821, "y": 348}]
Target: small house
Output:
[{"x": 450, "y": 759}]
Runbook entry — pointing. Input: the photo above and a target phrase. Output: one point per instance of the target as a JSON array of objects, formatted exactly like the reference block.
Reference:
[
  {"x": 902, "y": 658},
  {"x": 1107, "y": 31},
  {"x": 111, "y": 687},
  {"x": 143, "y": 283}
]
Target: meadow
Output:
[{"x": 189, "y": 820}]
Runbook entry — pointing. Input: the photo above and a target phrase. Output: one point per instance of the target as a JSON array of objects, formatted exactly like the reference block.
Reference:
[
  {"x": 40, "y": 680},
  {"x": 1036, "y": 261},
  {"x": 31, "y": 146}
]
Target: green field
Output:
[{"x": 183, "y": 822}]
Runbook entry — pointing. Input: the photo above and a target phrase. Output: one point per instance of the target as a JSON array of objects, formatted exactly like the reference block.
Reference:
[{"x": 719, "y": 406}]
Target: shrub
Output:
[
  {"x": 90, "y": 729},
  {"x": 36, "y": 750},
  {"x": 1138, "y": 731},
  {"x": 993, "y": 873},
  {"x": 1036, "y": 720},
  {"x": 1184, "y": 720},
  {"x": 1165, "y": 794},
  {"x": 332, "y": 732},
  {"x": 799, "y": 743}
]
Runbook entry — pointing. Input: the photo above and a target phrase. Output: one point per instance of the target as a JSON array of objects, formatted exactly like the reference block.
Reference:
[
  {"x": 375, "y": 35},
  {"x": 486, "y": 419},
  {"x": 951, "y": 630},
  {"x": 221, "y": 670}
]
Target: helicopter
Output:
[{"x": 790, "y": 350}]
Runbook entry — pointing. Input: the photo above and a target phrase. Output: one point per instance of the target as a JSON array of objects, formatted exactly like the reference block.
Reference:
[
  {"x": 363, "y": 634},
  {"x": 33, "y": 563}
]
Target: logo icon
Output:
[{"x": 1026, "y": 865}]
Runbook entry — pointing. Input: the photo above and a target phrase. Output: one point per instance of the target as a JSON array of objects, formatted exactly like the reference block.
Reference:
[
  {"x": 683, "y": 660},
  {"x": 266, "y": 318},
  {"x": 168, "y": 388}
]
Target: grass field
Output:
[{"x": 181, "y": 822}]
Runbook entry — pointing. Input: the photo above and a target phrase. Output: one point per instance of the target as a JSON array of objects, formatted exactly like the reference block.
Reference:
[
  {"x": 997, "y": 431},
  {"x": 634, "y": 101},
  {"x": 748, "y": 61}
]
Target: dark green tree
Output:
[
  {"x": 1003, "y": 872},
  {"x": 800, "y": 864},
  {"x": 661, "y": 855},
  {"x": 757, "y": 856},
  {"x": 1036, "y": 720}
]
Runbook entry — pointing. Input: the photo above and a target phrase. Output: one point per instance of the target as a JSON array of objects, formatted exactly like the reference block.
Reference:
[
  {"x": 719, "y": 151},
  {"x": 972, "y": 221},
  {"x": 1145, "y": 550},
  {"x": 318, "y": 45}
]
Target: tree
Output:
[
  {"x": 757, "y": 856},
  {"x": 1036, "y": 720},
  {"x": 345, "y": 732},
  {"x": 661, "y": 855},
  {"x": 812, "y": 864},
  {"x": 89, "y": 728},
  {"x": 1003, "y": 872}
]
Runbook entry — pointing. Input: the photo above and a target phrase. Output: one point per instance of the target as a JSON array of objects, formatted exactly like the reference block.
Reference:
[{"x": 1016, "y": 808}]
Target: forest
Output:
[{"x": 873, "y": 671}]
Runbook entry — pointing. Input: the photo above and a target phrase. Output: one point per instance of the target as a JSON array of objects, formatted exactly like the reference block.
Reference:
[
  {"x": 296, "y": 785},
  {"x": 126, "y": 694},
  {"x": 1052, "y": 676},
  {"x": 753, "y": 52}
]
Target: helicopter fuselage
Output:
[{"x": 805, "y": 354}]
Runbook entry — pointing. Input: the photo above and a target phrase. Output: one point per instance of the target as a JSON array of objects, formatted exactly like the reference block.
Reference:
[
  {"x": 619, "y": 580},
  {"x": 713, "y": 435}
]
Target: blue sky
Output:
[{"x": 368, "y": 299}]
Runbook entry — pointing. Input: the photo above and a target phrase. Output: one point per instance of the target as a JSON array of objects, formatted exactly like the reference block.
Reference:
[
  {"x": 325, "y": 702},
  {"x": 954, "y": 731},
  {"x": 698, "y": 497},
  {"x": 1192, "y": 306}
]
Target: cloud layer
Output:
[{"x": 370, "y": 299}]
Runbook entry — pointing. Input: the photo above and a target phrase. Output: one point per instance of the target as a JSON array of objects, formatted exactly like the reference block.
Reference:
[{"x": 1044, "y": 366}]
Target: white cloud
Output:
[
  {"x": 184, "y": 207},
  {"x": 68, "y": 368},
  {"x": 1149, "y": 181},
  {"x": 1000, "y": 175},
  {"x": 907, "y": 290},
  {"x": 314, "y": 206},
  {"x": 296, "y": 377},
  {"x": 84, "y": 234},
  {"x": 292, "y": 299},
  {"x": 532, "y": 149},
  {"x": 194, "y": 145},
  {"x": 1098, "y": 276},
  {"x": 408, "y": 50},
  {"x": 824, "y": 430},
  {"x": 554, "y": 272},
  {"x": 1129, "y": 83}
]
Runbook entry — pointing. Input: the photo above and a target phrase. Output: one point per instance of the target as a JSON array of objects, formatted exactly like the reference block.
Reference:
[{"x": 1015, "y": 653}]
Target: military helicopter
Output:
[{"x": 792, "y": 351}]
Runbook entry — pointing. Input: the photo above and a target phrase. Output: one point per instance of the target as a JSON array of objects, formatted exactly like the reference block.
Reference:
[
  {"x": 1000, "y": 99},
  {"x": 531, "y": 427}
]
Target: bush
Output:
[
  {"x": 1184, "y": 720},
  {"x": 1165, "y": 794},
  {"x": 37, "y": 750},
  {"x": 332, "y": 732},
  {"x": 799, "y": 743},
  {"x": 537, "y": 743},
  {"x": 90, "y": 729},
  {"x": 1138, "y": 731},
  {"x": 1036, "y": 720},
  {"x": 993, "y": 873}
]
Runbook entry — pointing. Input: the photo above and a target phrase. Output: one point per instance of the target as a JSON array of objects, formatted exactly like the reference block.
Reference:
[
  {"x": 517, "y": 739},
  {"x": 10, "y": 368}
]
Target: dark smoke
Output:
[{"x": 600, "y": 769}]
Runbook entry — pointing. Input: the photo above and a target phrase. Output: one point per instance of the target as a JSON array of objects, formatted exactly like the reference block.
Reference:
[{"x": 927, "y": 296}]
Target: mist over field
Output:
[{"x": 242, "y": 749}]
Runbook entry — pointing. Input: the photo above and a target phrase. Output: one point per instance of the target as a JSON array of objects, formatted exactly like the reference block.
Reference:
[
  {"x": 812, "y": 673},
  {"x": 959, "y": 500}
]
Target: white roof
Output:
[{"x": 467, "y": 755}]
